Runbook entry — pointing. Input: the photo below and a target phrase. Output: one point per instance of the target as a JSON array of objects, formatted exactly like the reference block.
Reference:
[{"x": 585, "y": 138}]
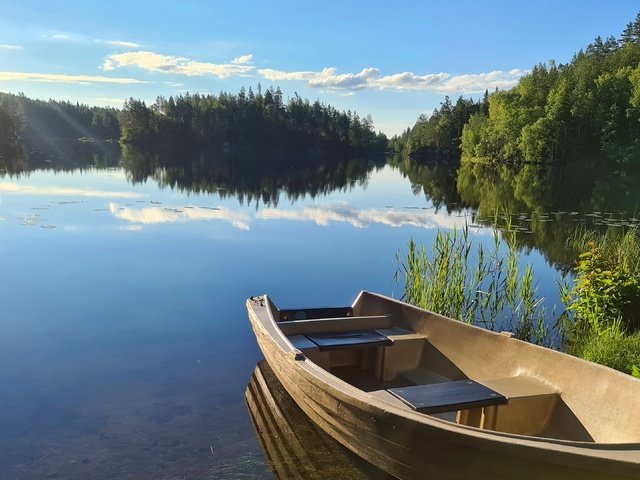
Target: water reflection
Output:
[
  {"x": 363, "y": 218},
  {"x": 248, "y": 176},
  {"x": 544, "y": 203},
  {"x": 60, "y": 156},
  {"x": 40, "y": 190},
  {"x": 294, "y": 446},
  {"x": 163, "y": 214},
  {"x": 126, "y": 355}
]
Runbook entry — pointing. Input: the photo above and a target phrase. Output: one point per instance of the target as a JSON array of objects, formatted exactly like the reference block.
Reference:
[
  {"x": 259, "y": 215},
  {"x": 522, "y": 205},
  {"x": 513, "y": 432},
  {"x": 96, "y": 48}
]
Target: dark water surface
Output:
[{"x": 125, "y": 349}]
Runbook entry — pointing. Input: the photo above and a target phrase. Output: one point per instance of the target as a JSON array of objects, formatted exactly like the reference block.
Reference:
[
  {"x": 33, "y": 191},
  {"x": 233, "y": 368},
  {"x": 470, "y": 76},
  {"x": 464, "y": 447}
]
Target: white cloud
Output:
[
  {"x": 120, "y": 43},
  {"x": 170, "y": 64},
  {"x": 328, "y": 78},
  {"x": 60, "y": 36},
  {"x": 241, "y": 60},
  {"x": 156, "y": 215},
  {"x": 20, "y": 189},
  {"x": 471, "y": 83},
  {"x": 61, "y": 78},
  {"x": 6, "y": 46}
]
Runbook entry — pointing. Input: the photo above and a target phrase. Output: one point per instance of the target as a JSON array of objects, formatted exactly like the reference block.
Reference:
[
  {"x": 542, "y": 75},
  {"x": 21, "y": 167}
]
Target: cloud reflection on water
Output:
[
  {"x": 156, "y": 215},
  {"x": 364, "y": 218},
  {"x": 20, "y": 189},
  {"x": 320, "y": 215}
]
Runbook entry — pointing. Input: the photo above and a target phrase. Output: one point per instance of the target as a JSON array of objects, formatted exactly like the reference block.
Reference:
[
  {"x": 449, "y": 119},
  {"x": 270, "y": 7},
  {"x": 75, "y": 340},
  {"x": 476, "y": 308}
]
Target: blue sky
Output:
[{"x": 393, "y": 60}]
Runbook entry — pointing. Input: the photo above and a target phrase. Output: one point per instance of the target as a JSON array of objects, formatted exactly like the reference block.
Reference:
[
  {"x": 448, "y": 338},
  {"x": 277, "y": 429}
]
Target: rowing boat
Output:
[{"x": 420, "y": 395}]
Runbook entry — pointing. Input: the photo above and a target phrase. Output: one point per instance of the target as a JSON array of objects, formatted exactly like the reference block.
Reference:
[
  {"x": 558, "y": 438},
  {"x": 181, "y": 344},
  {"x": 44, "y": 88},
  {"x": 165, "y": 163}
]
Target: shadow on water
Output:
[{"x": 294, "y": 446}]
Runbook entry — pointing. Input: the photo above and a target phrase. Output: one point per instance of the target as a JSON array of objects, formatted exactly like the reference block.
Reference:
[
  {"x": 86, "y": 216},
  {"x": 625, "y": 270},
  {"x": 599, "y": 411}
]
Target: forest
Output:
[
  {"x": 556, "y": 112},
  {"x": 247, "y": 120}
]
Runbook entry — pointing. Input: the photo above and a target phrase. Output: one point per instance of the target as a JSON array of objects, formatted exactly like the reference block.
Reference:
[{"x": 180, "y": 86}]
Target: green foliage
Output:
[
  {"x": 397, "y": 143},
  {"x": 556, "y": 111},
  {"x": 606, "y": 288},
  {"x": 461, "y": 280},
  {"x": 604, "y": 303},
  {"x": 472, "y": 132},
  {"x": 439, "y": 135}
]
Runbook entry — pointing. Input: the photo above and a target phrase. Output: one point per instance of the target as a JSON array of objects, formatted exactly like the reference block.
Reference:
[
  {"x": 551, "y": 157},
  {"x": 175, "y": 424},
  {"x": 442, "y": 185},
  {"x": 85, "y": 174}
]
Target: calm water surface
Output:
[{"x": 125, "y": 349}]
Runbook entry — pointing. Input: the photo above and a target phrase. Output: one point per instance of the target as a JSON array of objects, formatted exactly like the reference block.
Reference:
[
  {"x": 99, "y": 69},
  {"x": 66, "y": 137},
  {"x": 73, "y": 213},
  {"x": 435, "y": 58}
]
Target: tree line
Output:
[
  {"x": 32, "y": 118},
  {"x": 555, "y": 112},
  {"x": 437, "y": 136},
  {"x": 247, "y": 119}
]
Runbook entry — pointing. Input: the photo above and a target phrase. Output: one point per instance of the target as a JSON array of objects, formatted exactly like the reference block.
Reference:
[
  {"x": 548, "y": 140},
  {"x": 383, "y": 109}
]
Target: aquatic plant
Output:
[{"x": 459, "y": 278}]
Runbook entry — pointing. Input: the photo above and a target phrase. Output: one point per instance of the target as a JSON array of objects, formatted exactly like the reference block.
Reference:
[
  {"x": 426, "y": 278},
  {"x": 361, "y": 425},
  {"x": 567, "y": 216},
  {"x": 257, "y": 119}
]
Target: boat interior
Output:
[{"x": 444, "y": 368}]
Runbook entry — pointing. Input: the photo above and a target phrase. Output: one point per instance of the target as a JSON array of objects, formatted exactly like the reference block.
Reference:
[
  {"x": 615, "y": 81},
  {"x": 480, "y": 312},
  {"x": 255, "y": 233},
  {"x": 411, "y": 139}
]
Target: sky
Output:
[{"x": 392, "y": 60}]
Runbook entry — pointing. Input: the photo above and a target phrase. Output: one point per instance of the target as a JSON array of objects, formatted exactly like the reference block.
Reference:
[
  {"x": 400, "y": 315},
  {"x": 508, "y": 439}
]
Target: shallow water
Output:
[{"x": 125, "y": 349}]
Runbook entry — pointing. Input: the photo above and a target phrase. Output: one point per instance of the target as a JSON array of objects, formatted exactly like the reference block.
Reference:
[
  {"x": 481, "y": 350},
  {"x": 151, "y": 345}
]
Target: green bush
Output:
[{"x": 601, "y": 321}]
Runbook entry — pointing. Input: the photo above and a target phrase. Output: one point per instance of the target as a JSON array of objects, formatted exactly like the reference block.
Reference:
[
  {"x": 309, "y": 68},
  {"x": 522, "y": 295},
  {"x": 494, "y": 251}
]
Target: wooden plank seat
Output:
[
  {"x": 448, "y": 396},
  {"x": 292, "y": 314},
  {"x": 334, "y": 324},
  {"x": 346, "y": 340}
]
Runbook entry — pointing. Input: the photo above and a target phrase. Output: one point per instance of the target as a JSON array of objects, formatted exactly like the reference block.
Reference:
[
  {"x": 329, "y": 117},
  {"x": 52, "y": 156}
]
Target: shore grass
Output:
[{"x": 459, "y": 278}]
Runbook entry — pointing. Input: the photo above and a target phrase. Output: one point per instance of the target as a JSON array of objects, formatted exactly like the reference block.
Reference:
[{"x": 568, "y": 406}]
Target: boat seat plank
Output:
[
  {"x": 339, "y": 324},
  {"x": 301, "y": 342},
  {"x": 292, "y": 314},
  {"x": 346, "y": 340},
  {"x": 449, "y": 396}
]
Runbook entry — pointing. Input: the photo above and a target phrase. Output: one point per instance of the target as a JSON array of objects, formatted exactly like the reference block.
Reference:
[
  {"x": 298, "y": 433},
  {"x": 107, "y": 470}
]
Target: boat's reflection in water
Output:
[{"x": 294, "y": 446}]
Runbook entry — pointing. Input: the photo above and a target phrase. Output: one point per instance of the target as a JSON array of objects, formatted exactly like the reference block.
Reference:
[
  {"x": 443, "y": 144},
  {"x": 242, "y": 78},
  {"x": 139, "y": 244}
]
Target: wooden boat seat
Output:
[
  {"x": 334, "y": 324},
  {"x": 519, "y": 404},
  {"x": 340, "y": 341},
  {"x": 314, "y": 313},
  {"x": 448, "y": 396},
  {"x": 345, "y": 340}
]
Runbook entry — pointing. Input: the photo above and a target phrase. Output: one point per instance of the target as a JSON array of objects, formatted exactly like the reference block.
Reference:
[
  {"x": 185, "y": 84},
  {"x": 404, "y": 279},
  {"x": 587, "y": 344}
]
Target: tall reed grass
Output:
[{"x": 457, "y": 277}]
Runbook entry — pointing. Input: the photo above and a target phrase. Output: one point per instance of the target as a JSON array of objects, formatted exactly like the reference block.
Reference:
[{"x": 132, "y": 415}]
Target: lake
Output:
[{"x": 125, "y": 349}]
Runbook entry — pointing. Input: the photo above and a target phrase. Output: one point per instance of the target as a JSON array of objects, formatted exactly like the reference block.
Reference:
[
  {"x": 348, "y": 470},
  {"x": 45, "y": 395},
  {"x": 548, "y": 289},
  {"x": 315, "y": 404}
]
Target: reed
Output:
[{"x": 459, "y": 278}]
